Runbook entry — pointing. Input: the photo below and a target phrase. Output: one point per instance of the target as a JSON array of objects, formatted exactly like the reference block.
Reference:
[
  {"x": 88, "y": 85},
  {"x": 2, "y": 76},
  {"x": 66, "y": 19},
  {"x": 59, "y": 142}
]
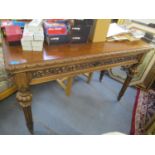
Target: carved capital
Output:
[
  {"x": 132, "y": 70},
  {"x": 24, "y": 98}
]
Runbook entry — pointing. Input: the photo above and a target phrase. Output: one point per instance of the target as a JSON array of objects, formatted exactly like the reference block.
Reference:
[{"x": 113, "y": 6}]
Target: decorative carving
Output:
[
  {"x": 24, "y": 98},
  {"x": 132, "y": 71},
  {"x": 80, "y": 66}
]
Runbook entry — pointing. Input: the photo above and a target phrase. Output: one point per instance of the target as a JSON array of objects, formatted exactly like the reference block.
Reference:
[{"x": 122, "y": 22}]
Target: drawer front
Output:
[
  {"x": 57, "y": 39},
  {"x": 80, "y": 30},
  {"x": 78, "y": 39},
  {"x": 83, "y": 22}
]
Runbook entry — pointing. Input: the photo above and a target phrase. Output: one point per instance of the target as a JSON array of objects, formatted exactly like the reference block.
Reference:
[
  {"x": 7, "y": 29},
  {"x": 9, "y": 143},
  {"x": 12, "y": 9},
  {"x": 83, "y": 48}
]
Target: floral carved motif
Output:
[{"x": 80, "y": 66}]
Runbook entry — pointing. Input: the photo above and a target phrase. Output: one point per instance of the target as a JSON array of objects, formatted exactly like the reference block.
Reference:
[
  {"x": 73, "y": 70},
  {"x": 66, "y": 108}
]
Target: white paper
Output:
[{"x": 115, "y": 29}]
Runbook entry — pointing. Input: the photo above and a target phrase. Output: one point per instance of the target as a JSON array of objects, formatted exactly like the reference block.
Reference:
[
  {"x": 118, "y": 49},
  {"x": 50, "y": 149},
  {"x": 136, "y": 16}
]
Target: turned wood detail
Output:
[
  {"x": 24, "y": 98},
  {"x": 80, "y": 66},
  {"x": 131, "y": 72}
]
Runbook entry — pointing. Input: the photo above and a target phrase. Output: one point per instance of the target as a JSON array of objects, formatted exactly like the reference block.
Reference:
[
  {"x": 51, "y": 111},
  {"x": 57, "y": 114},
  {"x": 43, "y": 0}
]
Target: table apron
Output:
[{"x": 68, "y": 70}]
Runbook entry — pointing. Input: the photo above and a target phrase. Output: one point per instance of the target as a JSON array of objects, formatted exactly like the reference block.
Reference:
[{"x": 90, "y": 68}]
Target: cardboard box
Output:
[
  {"x": 27, "y": 35},
  {"x": 78, "y": 39},
  {"x": 27, "y": 48},
  {"x": 13, "y": 33},
  {"x": 15, "y": 43},
  {"x": 60, "y": 39},
  {"x": 83, "y": 22},
  {"x": 26, "y": 42},
  {"x": 37, "y": 43},
  {"x": 35, "y": 25},
  {"x": 34, "y": 29},
  {"x": 99, "y": 30},
  {"x": 39, "y": 36},
  {"x": 37, "y": 48},
  {"x": 55, "y": 28}
]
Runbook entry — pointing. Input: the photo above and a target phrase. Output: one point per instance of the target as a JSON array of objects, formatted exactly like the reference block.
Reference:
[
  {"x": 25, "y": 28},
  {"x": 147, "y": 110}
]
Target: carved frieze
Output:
[{"x": 80, "y": 66}]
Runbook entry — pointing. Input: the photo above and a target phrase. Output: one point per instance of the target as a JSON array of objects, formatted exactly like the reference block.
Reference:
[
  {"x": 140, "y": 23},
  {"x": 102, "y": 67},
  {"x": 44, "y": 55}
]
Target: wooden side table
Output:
[{"x": 30, "y": 68}]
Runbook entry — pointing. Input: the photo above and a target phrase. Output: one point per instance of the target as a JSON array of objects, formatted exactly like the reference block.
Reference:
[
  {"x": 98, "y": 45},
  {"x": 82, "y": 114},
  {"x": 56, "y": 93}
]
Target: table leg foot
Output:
[
  {"x": 28, "y": 118},
  {"x": 101, "y": 75},
  {"x": 124, "y": 87}
]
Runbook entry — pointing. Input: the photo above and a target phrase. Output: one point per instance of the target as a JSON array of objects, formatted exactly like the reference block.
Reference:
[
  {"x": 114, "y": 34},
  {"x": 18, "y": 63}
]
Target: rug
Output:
[{"x": 143, "y": 112}]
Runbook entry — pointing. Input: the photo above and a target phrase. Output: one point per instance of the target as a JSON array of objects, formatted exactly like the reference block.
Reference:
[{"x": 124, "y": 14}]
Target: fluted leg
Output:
[
  {"x": 24, "y": 97},
  {"x": 131, "y": 73}
]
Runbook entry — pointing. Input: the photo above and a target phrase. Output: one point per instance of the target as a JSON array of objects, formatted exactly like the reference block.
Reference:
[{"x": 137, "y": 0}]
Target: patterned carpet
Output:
[{"x": 143, "y": 112}]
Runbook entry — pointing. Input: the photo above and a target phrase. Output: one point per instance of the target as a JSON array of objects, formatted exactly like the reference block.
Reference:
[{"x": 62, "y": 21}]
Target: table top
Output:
[{"x": 14, "y": 55}]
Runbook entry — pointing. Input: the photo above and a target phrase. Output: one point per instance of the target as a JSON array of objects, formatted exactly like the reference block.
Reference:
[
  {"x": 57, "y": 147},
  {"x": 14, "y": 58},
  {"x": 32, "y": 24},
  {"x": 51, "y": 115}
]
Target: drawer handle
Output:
[
  {"x": 56, "y": 38},
  {"x": 76, "y": 38},
  {"x": 76, "y": 28}
]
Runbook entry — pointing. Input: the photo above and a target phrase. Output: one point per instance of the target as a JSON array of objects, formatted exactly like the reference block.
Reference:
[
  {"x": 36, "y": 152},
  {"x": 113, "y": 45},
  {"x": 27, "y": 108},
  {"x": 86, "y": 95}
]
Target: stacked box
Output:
[
  {"x": 56, "y": 33},
  {"x": 27, "y": 39},
  {"x": 35, "y": 25},
  {"x": 33, "y": 36},
  {"x": 80, "y": 30},
  {"x": 67, "y": 31},
  {"x": 83, "y": 22},
  {"x": 13, "y": 34}
]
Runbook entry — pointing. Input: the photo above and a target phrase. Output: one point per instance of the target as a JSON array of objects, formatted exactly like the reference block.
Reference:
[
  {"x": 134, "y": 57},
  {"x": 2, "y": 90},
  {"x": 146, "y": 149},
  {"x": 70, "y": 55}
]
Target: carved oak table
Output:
[{"x": 29, "y": 68}]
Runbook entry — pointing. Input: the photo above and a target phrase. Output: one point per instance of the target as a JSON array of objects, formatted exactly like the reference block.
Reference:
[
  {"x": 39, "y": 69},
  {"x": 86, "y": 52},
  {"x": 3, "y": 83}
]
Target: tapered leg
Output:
[
  {"x": 24, "y": 97},
  {"x": 125, "y": 86},
  {"x": 131, "y": 73},
  {"x": 101, "y": 75},
  {"x": 28, "y": 118}
]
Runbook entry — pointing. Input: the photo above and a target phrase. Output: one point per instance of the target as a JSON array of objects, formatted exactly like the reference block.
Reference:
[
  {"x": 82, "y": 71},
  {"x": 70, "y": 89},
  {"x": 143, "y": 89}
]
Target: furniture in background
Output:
[
  {"x": 98, "y": 34},
  {"x": 150, "y": 128},
  {"x": 6, "y": 85},
  {"x": 67, "y": 61},
  {"x": 143, "y": 119},
  {"x": 145, "y": 77},
  {"x": 66, "y": 82},
  {"x": 99, "y": 30}
]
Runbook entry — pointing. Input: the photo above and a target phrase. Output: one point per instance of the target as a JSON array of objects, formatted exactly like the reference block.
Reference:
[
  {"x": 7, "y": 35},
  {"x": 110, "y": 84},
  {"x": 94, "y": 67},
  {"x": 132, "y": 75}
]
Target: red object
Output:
[
  {"x": 132, "y": 132},
  {"x": 13, "y": 33},
  {"x": 57, "y": 31},
  {"x": 5, "y": 23},
  {"x": 143, "y": 111},
  {"x": 55, "y": 28}
]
